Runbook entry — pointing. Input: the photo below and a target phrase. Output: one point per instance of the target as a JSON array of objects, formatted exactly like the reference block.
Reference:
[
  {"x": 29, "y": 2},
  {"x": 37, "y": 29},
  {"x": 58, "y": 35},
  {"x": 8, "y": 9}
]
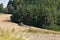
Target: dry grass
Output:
[
  {"x": 42, "y": 31},
  {"x": 5, "y": 24},
  {"x": 12, "y": 31}
]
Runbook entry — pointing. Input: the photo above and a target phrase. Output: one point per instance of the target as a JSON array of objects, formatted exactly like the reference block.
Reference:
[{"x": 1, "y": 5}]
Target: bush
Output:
[
  {"x": 35, "y": 12},
  {"x": 30, "y": 13}
]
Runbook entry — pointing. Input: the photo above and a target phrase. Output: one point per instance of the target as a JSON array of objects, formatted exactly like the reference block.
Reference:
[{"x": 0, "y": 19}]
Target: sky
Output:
[{"x": 5, "y": 2}]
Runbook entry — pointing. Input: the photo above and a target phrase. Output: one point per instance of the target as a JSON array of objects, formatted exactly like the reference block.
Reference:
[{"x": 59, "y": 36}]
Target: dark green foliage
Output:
[
  {"x": 5, "y": 10},
  {"x": 1, "y": 7},
  {"x": 40, "y": 13},
  {"x": 10, "y": 7}
]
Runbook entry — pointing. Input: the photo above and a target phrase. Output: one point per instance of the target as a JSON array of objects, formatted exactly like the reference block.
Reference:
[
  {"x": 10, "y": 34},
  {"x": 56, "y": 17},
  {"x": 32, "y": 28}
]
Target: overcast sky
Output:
[{"x": 4, "y": 2}]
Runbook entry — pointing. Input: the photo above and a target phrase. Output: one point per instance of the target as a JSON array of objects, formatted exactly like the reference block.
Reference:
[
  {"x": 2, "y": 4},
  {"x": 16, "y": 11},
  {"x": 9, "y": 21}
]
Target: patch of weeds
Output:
[
  {"x": 32, "y": 31},
  {"x": 13, "y": 30}
]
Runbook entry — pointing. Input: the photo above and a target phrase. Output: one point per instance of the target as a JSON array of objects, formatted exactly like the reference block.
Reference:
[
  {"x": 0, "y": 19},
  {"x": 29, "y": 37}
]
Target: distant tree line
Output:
[
  {"x": 2, "y": 9},
  {"x": 39, "y": 13}
]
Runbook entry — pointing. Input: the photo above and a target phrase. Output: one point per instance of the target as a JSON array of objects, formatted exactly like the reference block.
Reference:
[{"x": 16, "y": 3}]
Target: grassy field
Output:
[
  {"x": 12, "y": 31},
  {"x": 6, "y": 35},
  {"x": 13, "y": 35}
]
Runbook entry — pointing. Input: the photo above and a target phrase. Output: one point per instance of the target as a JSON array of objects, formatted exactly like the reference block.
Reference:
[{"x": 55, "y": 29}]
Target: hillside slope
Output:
[
  {"x": 13, "y": 31},
  {"x": 6, "y": 24}
]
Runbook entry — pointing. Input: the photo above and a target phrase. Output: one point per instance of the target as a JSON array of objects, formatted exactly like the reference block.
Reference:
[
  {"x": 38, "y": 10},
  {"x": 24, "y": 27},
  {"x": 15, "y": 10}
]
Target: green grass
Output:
[{"x": 54, "y": 28}]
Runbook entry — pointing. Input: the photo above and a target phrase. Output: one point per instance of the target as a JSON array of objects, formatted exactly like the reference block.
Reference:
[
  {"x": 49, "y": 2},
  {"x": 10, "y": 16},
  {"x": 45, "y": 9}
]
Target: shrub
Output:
[{"x": 35, "y": 12}]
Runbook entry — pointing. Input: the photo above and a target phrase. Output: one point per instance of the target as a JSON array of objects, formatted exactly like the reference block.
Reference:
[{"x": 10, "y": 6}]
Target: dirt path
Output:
[{"x": 5, "y": 24}]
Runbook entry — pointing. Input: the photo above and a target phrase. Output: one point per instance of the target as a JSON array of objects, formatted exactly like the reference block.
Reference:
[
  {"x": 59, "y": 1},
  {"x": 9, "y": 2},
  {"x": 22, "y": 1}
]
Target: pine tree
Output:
[{"x": 10, "y": 7}]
